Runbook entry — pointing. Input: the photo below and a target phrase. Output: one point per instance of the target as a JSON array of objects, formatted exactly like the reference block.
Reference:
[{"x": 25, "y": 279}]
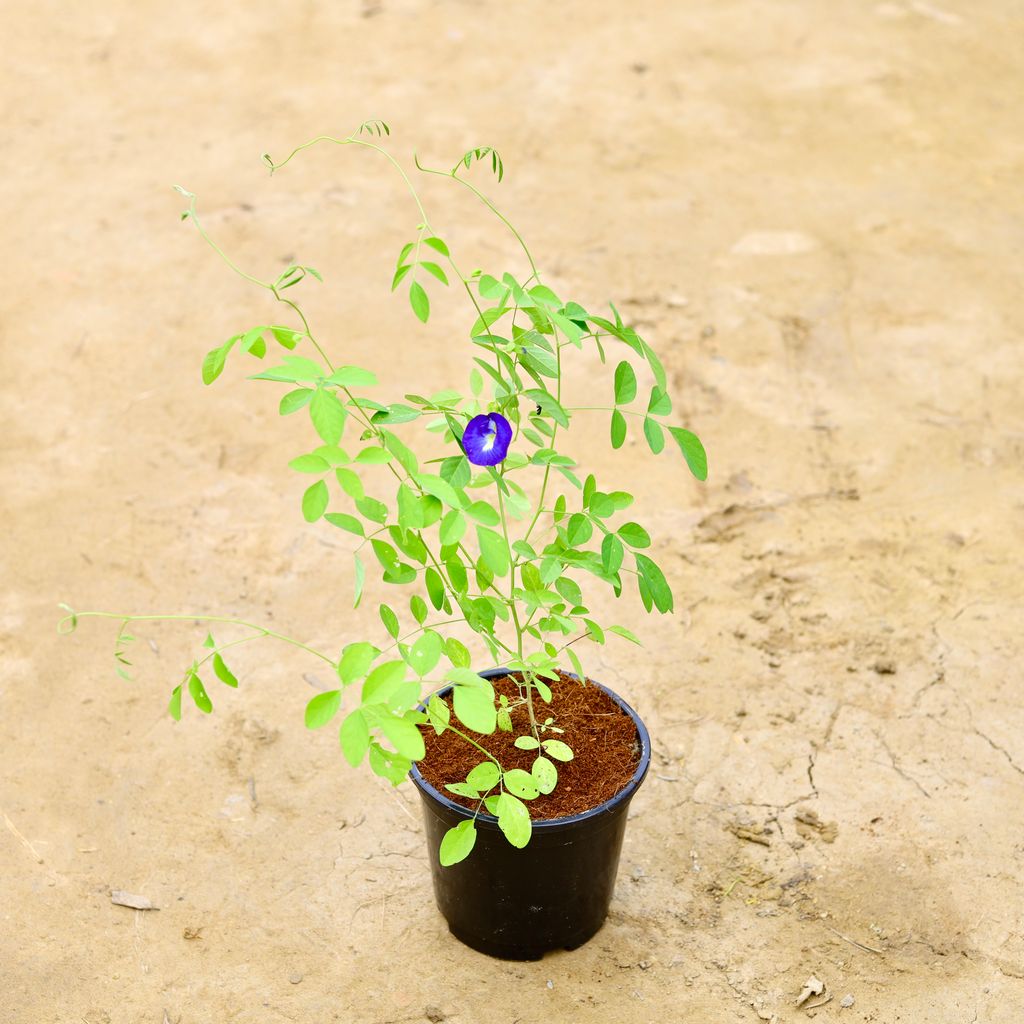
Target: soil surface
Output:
[
  {"x": 814, "y": 211},
  {"x": 583, "y": 718}
]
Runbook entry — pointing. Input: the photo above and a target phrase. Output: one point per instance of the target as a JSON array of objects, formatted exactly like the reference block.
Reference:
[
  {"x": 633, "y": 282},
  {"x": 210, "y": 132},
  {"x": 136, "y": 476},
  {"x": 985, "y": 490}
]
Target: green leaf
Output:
[
  {"x": 484, "y": 776},
  {"x": 404, "y": 455},
  {"x": 174, "y": 705},
  {"x": 693, "y": 451},
  {"x": 514, "y": 820},
  {"x": 382, "y": 682},
  {"x": 475, "y": 709},
  {"x": 223, "y": 673},
  {"x": 198, "y": 693},
  {"x": 493, "y": 551},
  {"x": 345, "y": 522},
  {"x": 355, "y": 662},
  {"x": 387, "y": 765},
  {"x": 436, "y": 271},
  {"x": 322, "y": 708},
  {"x": 453, "y": 526},
  {"x": 521, "y": 784},
  {"x": 659, "y": 404},
  {"x": 440, "y": 489},
  {"x": 397, "y": 413},
  {"x": 457, "y": 843},
  {"x": 328, "y": 415},
  {"x": 314, "y": 501},
  {"x": 309, "y": 464},
  {"x": 576, "y": 663},
  {"x": 425, "y": 653},
  {"x": 627, "y": 634},
  {"x": 373, "y": 456},
  {"x": 294, "y": 400},
  {"x": 549, "y": 405},
  {"x": 527, "y": 742},
  {"x": 390, "y": 620},
  {"x": 213, "y": 364},
  {"x": 531, "y": 577},
  {"x": 545, "y": 774},
  {"x": 612, "y": 553},
  {"x": 419, "y": 301},
  {"x": 439, "y": 713},
  {"x": 657, "y": 585},
  {"x": 462, "y": 789},
  {"x": 654, "y": 434},
  {"x": 286, "y": 337},
  {"x": 360, "y": 579},
  {"x": 436, "y": 244},
  {"x": 294, "y": 370},
  {"x": 579, "y": 530},
  {"x": 557, "y": 749},
  {"x": 400, "y": 274},
  {"x": 483, "y": 513},
  {"x": 435, "y": 588},
  {"x": 352, "y": 377},
  {"x": 418, "y": 607},
  {"x": 654, "y": 362},
  {"x": 634, "y": 535},
  {"x": 405, "y": 737},
  {"x": 372, "y": 509},
  {"x": 355, "y": 738},
  {"x": 457, "y": 652},
  {"x": 625, "y": 384},
  {"x": 350, "y": 483},
  {"x": 386, "y": 554}
]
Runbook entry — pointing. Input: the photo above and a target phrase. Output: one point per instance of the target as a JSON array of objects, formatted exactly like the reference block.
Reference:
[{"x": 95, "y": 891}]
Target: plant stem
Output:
[{"x": 159, "y": 617}]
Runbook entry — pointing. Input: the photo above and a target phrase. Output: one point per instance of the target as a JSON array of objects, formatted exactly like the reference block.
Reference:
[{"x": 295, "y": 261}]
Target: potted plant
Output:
[{"x": 491, "y": 532}]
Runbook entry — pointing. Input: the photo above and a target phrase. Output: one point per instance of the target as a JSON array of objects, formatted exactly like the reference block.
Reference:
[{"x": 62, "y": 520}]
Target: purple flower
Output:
[{"x": 486, "y": 439}]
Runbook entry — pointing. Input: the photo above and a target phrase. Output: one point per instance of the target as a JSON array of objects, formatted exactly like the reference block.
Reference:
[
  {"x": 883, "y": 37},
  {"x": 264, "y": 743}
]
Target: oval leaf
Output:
[
  {"x": 322, "y": 708},
  {"x": 521, "y": 784},
  {"x": 558, "y": 750},
  {"x": 458, "y": 843}
]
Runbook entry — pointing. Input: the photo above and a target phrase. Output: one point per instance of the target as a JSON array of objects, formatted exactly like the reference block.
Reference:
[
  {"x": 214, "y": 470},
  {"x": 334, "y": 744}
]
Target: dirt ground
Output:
[{"x": 813, "y": 210}]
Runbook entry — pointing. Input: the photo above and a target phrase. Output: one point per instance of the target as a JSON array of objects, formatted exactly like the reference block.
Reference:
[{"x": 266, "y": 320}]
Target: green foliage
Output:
[{"x": 510, "y": 555}]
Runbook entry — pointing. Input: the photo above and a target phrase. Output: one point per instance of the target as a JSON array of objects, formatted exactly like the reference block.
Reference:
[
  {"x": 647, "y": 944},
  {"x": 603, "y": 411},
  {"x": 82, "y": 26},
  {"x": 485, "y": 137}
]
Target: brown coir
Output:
[{"x": 601, "y": 735}]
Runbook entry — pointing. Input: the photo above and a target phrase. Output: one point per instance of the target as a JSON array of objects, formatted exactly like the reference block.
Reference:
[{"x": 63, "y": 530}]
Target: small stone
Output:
[
  {"x": 435, "y": 1014},
  {"x": 129, "y": 899},
  {"x": 846, "y": 1002},
  {"x": 885, "y": 667},
  {"x": 295, "y": 977},
  {"x": 551, "y": 984}
]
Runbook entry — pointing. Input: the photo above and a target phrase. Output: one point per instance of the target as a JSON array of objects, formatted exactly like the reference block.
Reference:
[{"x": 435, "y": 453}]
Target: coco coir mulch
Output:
[{"x": 601, "y": 735}]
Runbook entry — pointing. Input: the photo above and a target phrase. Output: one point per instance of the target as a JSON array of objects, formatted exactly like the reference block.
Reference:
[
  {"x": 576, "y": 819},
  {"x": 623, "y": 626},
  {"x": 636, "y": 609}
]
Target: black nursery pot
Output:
[{"x": 552, "y": 894}]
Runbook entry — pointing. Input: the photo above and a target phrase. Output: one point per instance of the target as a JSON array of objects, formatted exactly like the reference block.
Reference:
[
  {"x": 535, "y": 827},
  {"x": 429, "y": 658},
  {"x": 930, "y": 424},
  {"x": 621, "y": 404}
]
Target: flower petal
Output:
[{"x": 486, "y": 439}]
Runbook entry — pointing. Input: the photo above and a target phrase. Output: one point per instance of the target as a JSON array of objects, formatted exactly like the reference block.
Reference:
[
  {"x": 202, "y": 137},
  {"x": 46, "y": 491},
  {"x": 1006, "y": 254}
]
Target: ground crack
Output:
[
  {"x": 896, "y": 766},
  {"x": 1002, "y": 750}
]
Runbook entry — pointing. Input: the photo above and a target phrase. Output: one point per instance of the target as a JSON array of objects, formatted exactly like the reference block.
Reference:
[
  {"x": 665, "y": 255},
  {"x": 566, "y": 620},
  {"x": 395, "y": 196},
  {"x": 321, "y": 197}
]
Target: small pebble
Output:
[
  {"x": 846, "y": 1002},
  {"x": 551, "y": 984},
  {"x": 295, "y": 977},
  {"x": 885, "y": 667},
  {"x": 435, "y": 1014}
]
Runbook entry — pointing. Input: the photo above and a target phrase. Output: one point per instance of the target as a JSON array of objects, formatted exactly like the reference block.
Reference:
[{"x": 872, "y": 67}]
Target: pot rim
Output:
[{"x": 550, "y": 824}]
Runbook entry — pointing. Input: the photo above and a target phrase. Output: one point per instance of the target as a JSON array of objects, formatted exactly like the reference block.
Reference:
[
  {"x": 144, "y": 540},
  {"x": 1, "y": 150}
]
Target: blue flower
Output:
[{"x": 486, "y": 439}]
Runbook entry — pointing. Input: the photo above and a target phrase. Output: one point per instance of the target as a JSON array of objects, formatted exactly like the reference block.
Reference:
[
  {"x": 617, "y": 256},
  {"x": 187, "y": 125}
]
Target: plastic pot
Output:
[{"x": 552, "y": 894}]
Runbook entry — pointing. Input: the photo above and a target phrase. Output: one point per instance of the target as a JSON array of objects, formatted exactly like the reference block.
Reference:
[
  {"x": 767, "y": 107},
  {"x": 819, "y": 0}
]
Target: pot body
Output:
[{"x": 552, "y": 894}]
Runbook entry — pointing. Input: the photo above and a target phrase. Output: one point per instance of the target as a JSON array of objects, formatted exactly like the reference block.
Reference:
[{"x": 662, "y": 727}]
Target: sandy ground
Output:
[{"x": 814, "y": 210}]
